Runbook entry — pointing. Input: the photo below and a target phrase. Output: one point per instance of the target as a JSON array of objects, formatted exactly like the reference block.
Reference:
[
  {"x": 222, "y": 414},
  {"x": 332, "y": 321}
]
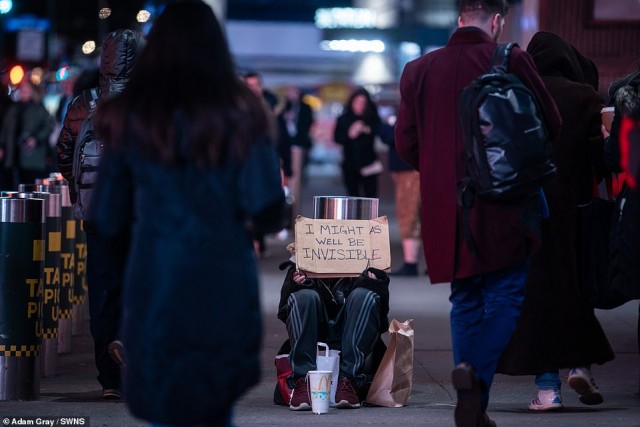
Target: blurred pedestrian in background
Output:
[
  {"x": 356, "y": 129},
  {"x": 276, "y": 105},
  {"x": 298, "y": 117},
  {"x": 104, "y": 256},
  {"x": 622, "y": 156},
  {"x": 558, "y": 329},
  {"x": 186, "y": 167},
  {"x": 406, "y": 183},
  {"x": 24, "y": 138}
]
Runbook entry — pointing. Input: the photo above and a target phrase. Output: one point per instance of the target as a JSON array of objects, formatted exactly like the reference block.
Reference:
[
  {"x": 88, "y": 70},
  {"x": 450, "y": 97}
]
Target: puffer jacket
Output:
[{"x": 119, "y": 51}]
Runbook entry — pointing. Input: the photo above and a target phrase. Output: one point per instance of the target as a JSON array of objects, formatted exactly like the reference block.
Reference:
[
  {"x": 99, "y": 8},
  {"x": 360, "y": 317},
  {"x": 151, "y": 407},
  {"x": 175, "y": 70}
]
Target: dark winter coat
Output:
[
  {"x": 428, "y": 137},
  {"x": 26, "y": 119},
  {"x": 191, "y": 311},
  {"x": 359, "y": 152},
  {"x": 116, "y": 65},
  {"x": 558, "y": 328}
]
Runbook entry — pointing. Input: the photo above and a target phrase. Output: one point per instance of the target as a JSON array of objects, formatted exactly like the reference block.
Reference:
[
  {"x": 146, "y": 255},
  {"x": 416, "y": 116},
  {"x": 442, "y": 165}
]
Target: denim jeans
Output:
[
  {"x": 483, "y": 317},
  {"x": 549, "y": 381}
]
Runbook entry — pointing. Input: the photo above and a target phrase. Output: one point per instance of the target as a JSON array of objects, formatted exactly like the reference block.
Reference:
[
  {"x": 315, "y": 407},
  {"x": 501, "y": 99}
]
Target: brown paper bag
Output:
[{"x": 391, "y": 386}]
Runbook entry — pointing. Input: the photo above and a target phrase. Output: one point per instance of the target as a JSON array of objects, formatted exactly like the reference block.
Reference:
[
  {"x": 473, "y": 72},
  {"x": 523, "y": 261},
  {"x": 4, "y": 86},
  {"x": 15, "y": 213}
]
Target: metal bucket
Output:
[
  {"x": 341, "y": 207},
  {"x": 22, "y": 224}
]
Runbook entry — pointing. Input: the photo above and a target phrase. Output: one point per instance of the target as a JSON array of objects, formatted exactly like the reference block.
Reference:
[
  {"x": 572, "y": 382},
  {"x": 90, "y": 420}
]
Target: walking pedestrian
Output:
[
  {"x": 189, "y": 161},
  {"x": 558, "y": 329},
  {"x": 487, "y": 285},
  {"x": 105, "y": 257},
  {"x": 24, "y": 137}
]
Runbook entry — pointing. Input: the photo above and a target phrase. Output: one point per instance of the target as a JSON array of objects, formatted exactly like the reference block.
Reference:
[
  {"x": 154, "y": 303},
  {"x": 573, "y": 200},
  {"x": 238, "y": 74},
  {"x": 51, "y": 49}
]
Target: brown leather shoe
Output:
[
  {"x": 485, "y": 421},
  {"x": 468, "y": 411}
]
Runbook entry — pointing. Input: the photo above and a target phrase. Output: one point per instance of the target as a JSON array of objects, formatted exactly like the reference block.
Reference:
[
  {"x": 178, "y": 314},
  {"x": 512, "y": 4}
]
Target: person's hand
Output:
[
  {"x": 356, "y": 129},
  {"x": 30, "y": 143},
  {"x": 299, "y": 277},
  {"x": 371, "y": 275},
  {"x": 604, "y": 131}
]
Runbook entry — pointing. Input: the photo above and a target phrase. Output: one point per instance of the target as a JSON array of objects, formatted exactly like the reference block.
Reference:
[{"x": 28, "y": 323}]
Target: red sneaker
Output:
[
  {"x": 300, "y": 396},
  {"x": 346, "y": 396}
]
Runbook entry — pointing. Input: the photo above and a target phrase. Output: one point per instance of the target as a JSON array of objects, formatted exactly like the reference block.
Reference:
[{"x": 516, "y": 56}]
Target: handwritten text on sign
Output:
[{"x": 338, "y": 247}]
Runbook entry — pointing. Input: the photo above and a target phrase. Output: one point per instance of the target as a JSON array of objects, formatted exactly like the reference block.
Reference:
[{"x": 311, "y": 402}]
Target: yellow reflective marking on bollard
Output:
[
  {"x": 38, "y": 250},
  {"x": 55, "y": 241},
  {"x": 71, "y": 229},
  {"x": 19, "y": 350}
]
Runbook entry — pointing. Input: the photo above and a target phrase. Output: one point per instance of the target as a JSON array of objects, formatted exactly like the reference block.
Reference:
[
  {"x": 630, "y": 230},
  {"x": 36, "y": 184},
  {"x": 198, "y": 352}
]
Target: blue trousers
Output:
[{"x": 483, "y": 317}]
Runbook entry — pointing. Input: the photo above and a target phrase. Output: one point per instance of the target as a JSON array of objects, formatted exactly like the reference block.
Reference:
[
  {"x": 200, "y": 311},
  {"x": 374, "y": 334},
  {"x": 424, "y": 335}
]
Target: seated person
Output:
[{"x": 347, "y": 313}]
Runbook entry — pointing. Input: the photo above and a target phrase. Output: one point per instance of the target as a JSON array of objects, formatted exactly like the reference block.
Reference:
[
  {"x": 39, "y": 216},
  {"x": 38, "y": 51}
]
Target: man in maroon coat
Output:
[{"x": 487, "y": 287}]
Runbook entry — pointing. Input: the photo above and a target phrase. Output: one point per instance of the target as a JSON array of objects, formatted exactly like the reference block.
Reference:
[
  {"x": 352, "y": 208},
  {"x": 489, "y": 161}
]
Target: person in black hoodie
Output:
[
  {"x": 105, "y": 258},
  {"x": 558, "y": 328},
  {"x": 349, "y": 314}
]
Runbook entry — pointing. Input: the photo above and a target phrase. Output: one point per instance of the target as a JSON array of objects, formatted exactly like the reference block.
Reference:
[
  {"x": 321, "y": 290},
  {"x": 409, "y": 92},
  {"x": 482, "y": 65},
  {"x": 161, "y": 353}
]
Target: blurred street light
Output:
[
  {"x": 16, "y": 74},
  {"x": 5, "y": 6},
  {"x": 143, "y": 16},
  {"x": 88, "y": 47}
]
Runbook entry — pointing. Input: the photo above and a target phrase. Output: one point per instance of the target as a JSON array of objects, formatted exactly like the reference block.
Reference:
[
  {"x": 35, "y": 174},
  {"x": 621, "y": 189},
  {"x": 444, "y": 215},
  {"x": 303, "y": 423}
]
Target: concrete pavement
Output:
[{"x": 75, "y": 392}]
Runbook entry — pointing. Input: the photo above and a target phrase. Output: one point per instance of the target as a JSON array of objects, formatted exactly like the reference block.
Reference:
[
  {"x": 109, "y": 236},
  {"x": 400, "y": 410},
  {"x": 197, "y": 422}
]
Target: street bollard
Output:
[
  {"x": 67, "y": 264},
  {"x": 51, "y": 277},
  {"x": 22, "y": 223},
  {"x": 80, "y": 289}
]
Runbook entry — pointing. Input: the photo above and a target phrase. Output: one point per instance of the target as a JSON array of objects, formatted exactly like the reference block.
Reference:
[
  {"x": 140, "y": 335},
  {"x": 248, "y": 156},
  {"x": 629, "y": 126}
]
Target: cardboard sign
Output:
[{"x": 340, "y": 247}]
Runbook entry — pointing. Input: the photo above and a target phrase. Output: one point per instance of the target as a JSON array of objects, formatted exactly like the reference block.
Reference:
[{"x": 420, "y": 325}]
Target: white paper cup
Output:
[
  {"x": 607, "y": 117},
  {"x": 319, "y": 383}
]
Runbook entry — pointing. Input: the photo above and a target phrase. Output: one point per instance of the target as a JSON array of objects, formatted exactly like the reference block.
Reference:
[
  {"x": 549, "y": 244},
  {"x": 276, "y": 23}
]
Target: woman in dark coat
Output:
[
  {"x": 558, "y": 329},
  {"x": 189, "y": 161},
  {"x": 355, "y": 130},
  {"x": 24, "y": 136}
]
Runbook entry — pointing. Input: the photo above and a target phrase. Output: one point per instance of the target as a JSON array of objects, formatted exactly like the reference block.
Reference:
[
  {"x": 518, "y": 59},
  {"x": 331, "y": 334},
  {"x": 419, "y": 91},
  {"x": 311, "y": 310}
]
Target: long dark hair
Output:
[
  {"x": 370, "y": 115},
  {"x": 184, "y": 87}
]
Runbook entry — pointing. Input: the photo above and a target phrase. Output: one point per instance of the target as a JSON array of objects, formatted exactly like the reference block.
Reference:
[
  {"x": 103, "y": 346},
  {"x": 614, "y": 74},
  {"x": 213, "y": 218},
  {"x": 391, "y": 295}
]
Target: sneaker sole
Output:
[
  {"x": 588, "y": 395},
  {"x": 546, "y": 408},
  {"x": 111, "y": 396},
  {"x": 343, "y": 404},
  {"x": 301, "y": 407}
]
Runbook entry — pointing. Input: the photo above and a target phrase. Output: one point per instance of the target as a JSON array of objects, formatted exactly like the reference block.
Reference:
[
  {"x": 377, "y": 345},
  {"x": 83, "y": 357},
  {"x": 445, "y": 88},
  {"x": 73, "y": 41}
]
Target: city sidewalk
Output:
[{"x": 75, "y": 392}]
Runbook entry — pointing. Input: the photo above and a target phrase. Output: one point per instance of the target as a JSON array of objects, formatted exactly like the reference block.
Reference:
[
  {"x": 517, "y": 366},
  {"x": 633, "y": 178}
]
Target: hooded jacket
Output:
[
  {"x": 119, "y": 51},
  {"x": 554, "y": 304}
]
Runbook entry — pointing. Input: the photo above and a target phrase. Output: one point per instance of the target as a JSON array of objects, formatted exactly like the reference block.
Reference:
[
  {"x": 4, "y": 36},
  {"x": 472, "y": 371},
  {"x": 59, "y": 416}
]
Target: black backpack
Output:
[
  {"x": 508, "y": 151},
  {"x": 86, "y": 157}
]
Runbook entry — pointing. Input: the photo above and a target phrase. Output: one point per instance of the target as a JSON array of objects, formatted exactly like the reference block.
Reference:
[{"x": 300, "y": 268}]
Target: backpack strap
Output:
[
  {"x": 501, "y": 55},
  {"x": 465, "y": 197},
  {"x": 90, "y": 97}
]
